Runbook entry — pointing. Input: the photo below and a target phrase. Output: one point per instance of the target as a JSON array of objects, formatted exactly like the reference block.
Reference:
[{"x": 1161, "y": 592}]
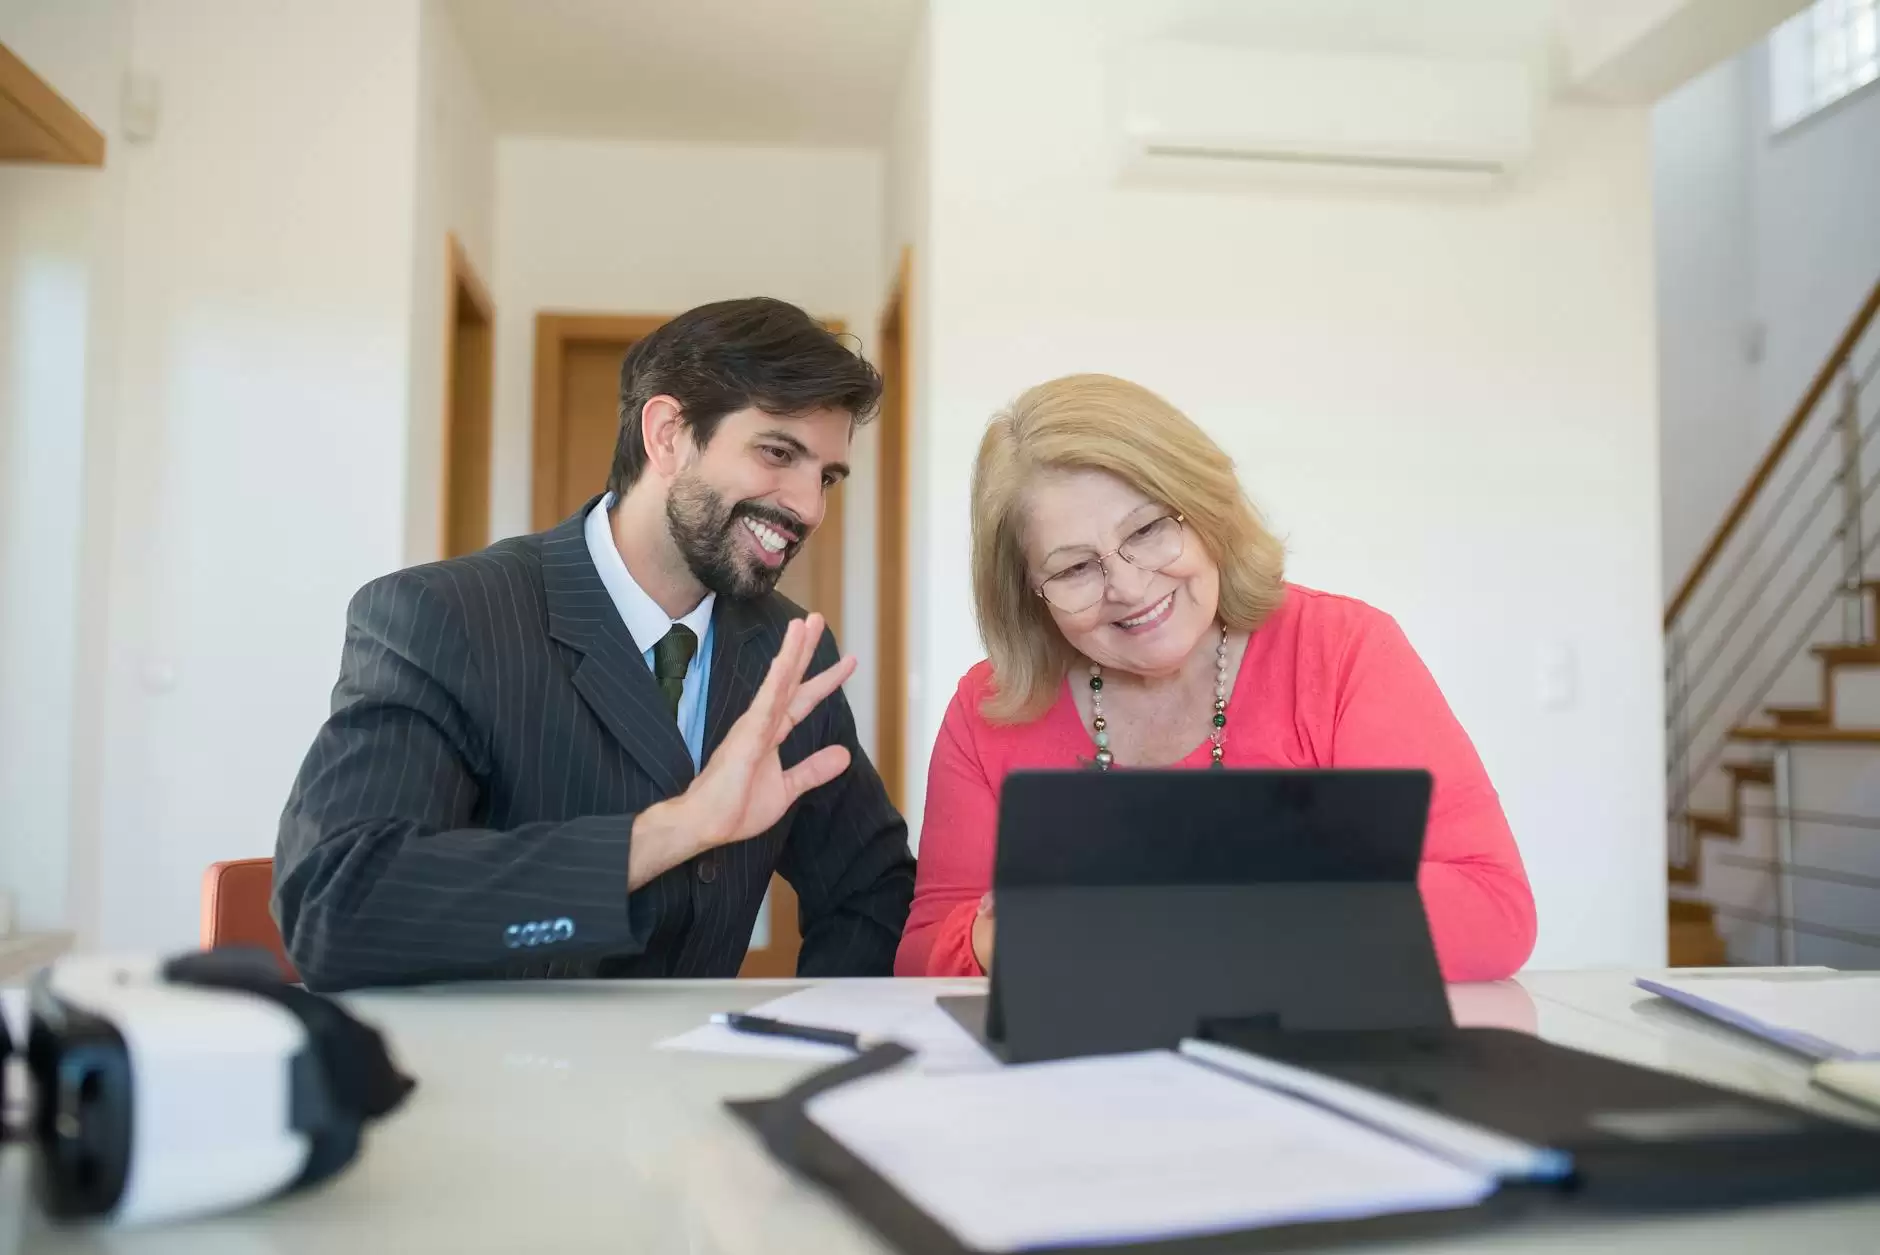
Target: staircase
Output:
[{"x": 1761, "y": 668}]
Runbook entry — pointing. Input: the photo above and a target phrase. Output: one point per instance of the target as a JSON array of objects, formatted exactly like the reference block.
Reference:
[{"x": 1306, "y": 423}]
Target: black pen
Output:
[{"x": 738, "y": 1022}]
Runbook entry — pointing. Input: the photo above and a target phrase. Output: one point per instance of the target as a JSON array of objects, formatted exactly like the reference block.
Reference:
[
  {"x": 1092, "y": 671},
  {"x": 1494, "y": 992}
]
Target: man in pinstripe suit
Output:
[{"x": 584, "y": 752}]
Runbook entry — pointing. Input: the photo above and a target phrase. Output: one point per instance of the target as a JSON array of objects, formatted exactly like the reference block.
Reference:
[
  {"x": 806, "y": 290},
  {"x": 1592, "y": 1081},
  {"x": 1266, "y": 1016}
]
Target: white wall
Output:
[
  {"x": 1445, "y": 405},
  {"x": 1711, "y": 425},
  {"x": 1815, "y": 188},
  {"x": 1765, "y": 240},
  {"x": 455, "y": 195},
  {"x": 258, "y": 440},
  {"x": 613, "y": 227},
  {"x": 58, "y": 247}
]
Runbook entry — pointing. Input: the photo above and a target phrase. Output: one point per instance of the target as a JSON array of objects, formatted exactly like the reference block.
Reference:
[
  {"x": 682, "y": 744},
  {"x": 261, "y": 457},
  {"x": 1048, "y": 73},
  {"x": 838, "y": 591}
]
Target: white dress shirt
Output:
[{"x": 648, "y": 624}]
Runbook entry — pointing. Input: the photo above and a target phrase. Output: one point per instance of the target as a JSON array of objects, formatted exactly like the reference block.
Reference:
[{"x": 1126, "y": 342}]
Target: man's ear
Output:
[{"x": 667, "y": 440}]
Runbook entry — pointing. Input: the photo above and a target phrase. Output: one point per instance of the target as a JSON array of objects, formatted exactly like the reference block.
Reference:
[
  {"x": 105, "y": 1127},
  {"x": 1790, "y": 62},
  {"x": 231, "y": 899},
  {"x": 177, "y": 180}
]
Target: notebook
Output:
[{"x": 1821, "y": 1014}]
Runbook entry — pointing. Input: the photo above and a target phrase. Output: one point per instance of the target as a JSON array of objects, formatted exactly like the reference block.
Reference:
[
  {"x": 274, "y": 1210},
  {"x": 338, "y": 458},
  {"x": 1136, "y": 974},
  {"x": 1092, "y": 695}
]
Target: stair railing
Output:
[{"x": 1793, "y": 545}]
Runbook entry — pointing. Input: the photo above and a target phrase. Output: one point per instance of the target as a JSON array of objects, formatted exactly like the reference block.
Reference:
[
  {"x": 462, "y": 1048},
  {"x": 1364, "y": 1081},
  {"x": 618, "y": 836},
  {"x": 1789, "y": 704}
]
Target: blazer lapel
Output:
[
  {"x": 612, "y": 677},
  {"x": 739, "y": 660}
]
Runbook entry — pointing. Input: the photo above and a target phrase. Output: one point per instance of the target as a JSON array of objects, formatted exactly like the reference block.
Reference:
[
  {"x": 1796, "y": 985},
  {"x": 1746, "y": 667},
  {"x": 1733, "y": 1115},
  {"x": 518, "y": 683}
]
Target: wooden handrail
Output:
[{"x": 1767, "y": 467}]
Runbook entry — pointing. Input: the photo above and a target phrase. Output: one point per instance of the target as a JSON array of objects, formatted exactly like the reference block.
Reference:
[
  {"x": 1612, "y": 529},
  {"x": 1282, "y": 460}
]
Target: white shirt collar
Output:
[{"x": 645, "y": 621}]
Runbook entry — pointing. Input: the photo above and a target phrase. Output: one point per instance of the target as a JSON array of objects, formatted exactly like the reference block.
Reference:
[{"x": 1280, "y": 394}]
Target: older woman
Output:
[{"x": 1134, "y": 610}]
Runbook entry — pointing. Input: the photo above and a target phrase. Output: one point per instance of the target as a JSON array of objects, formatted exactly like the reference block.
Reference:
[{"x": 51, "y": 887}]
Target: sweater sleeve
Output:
[
  {"x": 956, "y": 846},
  {"x": 1389, "y": 713}
]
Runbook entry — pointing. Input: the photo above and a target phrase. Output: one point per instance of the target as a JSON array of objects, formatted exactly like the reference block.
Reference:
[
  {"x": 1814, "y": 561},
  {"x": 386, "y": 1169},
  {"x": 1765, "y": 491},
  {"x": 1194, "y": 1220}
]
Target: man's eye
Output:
[{"x": 780, "y": 457}]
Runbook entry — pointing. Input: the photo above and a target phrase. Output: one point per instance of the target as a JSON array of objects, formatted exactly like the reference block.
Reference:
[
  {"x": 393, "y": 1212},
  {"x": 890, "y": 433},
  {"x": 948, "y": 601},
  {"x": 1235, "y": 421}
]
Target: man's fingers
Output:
[
  {"x": 806, "y": 645},
  {"x": 818, "y": 769},
  {"x": 773, "y": 694},
  {"x": 793, "y": 658},
  {"x": 812, "y": 691},
  {"x": 769, "y": 714}
]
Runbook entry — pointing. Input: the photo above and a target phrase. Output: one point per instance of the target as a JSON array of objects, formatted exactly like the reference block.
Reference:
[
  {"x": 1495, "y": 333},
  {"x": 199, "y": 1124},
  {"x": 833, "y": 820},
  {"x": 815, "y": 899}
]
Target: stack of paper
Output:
[
  {"x": 1824, "y": 1015},
  {"x": 1125, "y": 1148}
]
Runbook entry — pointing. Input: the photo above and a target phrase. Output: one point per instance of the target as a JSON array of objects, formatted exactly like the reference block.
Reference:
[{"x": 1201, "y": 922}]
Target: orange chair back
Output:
[{"x": 235, "y": 908}]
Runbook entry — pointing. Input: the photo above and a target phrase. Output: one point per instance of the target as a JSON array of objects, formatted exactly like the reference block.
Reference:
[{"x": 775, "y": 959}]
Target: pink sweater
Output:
[{"x": 1326, "y": 682}]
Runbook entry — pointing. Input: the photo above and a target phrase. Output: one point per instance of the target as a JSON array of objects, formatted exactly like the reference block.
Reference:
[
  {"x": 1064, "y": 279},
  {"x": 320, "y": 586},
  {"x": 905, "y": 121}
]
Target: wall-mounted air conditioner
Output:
[{"x": 1191, "y": 112}]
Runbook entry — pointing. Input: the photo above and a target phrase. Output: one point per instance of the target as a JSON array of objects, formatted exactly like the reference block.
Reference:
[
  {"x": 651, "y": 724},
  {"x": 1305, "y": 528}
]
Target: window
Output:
[{"x": 1825, "y": 52}]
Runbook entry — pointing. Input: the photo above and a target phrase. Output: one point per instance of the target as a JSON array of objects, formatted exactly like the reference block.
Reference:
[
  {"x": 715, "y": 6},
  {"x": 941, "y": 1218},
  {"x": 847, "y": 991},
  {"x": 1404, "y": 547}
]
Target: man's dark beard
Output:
[{"x": 701, "y": 521}]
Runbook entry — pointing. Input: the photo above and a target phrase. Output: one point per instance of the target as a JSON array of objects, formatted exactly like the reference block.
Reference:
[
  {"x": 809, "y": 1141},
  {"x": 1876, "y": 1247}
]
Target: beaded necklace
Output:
[{"x": 1100, "y": 727}]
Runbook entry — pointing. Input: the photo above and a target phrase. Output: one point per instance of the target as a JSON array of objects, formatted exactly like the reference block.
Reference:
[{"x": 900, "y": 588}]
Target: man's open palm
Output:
[{"x": 745, "y": 788}]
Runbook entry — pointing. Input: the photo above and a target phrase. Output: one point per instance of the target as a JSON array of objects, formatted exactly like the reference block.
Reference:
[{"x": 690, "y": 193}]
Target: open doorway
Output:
[{"x": 467, "y": 424}]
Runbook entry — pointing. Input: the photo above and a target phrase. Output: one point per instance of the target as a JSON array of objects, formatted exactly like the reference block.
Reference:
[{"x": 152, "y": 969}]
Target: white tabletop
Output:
[{"x": 545, "y": 1120}]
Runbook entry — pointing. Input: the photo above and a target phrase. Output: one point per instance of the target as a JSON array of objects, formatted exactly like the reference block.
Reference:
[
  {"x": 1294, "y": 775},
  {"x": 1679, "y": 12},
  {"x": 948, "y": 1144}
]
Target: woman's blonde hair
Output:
[{"x": 1100, "y": 423}]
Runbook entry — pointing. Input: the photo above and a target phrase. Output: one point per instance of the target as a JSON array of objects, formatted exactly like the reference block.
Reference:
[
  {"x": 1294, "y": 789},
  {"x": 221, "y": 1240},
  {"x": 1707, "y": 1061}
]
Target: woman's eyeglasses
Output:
[{"x": 1150, "y": 547}]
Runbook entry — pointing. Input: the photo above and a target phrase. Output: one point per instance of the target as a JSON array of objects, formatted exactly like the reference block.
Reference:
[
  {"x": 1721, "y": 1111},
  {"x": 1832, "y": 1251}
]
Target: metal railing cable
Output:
[{"x": 1787, "y": 655}]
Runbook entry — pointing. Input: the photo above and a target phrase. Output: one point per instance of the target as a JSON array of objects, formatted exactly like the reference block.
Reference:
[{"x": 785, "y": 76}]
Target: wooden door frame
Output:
[
  {"x": 462, "y": 281},
  {"x": 891, "y": 568},
  {"x": 554, "y": 332}
]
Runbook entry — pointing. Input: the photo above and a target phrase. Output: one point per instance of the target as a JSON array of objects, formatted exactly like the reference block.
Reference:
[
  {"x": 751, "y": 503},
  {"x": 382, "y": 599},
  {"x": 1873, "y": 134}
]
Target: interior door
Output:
[{"x": 576, "y": 425}]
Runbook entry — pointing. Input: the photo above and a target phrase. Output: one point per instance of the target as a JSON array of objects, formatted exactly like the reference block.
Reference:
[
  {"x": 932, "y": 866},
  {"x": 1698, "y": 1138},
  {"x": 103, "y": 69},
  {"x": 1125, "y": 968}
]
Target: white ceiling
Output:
[
  {"x": 1450, "y": 28},
  {"x": 819, "y": 72},
  {"x": 827, "y": 72}
]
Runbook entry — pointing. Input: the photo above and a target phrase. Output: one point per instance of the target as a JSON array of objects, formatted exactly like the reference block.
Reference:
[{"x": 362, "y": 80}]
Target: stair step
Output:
[
  {"x": 1694, "y": 944},
  {"x": 1797, "y": 715},
  {"x": 1682, "y": 873},
  {"x": 1751, "y": 773},
  {"x": 1807, "y": 733},
  {"x": 1862, "y": 655},
  {"x": 1690, "y": 911},
  {"x": 1719, "y": 823}
]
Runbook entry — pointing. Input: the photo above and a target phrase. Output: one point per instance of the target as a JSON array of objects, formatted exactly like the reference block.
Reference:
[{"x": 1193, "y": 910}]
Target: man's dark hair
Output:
[{"x": 723, "y": 357}]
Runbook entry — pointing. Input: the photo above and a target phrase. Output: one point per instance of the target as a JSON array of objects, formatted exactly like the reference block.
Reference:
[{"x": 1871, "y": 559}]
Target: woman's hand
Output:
[{"x": 982, "y": 934}]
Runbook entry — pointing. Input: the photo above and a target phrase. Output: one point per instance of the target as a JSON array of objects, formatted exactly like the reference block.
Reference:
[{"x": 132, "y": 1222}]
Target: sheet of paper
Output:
[
  {"x": 902, "y": 1011},
  {"x": 1125, "y": 1148},
  {"x": 1825, "y": 1015}
]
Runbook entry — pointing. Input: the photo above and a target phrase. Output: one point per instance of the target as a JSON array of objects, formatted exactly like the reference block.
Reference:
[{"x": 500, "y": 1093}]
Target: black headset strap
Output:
[{"x": 360, "y": 1076}]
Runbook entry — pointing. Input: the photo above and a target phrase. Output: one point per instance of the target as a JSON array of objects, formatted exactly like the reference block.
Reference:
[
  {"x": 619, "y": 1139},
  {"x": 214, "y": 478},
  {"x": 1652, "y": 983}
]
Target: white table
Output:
[{"x": 545, "y": 1121}]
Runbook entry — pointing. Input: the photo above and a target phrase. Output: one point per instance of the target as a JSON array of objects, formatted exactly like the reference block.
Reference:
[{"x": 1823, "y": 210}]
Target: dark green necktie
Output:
[{"x": 671, "y": 656}]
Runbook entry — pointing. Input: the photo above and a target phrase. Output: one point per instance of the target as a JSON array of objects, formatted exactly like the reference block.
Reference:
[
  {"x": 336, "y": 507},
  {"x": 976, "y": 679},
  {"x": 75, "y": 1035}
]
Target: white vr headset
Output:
[{"x": 169, "y": 1089}]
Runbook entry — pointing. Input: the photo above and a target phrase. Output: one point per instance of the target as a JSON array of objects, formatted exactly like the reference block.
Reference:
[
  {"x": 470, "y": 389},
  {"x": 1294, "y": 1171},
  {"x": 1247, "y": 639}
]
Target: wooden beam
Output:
[{"x": 37, "y": 124}]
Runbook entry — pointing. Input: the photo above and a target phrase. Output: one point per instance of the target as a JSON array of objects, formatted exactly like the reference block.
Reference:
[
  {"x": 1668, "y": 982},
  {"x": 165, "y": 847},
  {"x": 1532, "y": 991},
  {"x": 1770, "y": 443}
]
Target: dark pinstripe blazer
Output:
[{"x": 466, "y": 809}]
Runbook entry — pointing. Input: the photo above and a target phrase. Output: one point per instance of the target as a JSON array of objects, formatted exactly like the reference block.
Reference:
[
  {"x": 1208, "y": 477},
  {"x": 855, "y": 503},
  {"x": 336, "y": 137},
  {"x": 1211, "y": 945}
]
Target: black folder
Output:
[
  {"x": 1829, "y": 1160},
  {"x": 1638, "y": 1137},
  {"x": 1278, "y": 913}
]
